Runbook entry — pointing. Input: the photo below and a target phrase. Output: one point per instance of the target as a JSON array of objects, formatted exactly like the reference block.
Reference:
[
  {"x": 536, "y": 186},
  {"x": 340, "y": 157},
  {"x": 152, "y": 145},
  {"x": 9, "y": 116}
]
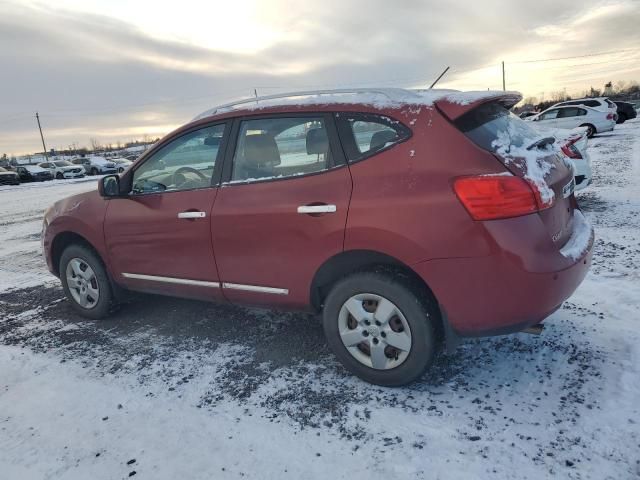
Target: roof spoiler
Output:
[{"x": 457, "y": 104}]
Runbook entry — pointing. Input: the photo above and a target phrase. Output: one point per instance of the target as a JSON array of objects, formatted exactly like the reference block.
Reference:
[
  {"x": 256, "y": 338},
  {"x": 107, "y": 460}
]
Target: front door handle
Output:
[
  {"x": 317, "y": 209},
  {"x": 191, "y": 215}
]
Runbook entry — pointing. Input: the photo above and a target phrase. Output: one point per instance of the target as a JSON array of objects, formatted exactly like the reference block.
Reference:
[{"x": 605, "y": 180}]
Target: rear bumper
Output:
[{"x": 517, "y": 286}]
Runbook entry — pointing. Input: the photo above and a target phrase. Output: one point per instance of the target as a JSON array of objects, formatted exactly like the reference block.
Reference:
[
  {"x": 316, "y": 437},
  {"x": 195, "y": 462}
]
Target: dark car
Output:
[
  {"x": 625, "y": 111},
  {"x": 8, "y": 177},
  {"x": 33, "y": 173},
  {"x": 408, "y": 219}
]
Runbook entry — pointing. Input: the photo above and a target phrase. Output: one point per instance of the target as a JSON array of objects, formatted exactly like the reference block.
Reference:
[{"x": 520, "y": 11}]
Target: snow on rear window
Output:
[{"x": 492, "y": 127}]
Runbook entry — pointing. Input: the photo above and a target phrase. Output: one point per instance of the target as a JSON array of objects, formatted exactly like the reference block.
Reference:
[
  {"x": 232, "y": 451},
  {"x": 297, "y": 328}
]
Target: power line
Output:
[{"x": 575, "y": 56}]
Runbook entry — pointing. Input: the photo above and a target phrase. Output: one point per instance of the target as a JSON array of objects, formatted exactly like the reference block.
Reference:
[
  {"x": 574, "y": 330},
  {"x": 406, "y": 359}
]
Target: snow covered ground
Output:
[{"x": 180, "y": 389}]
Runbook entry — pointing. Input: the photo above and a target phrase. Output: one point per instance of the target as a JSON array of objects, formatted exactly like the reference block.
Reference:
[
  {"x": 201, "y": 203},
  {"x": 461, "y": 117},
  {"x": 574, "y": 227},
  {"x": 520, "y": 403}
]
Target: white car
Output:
[
  {"x": 122, "y": 164},
  {"x": 570, "y": 117},
  {"x": 96, "y": 165},
  {"x": 63, "y": 169},
  {"x": 575, "y": 148},
  {"x": 598, "y": 103}
]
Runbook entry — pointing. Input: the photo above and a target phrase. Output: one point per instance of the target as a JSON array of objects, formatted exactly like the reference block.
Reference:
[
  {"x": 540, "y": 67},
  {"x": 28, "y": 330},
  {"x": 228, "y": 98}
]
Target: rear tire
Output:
[
  {"x": 59, "y": 176},
  {"x": 591, "y": 130},
  {"x": 403, "y": 346},
  {"x": 84, "y": 278}
]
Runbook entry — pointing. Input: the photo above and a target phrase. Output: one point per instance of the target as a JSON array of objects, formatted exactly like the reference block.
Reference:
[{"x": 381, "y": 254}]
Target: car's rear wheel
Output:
[
  {"x": 381, "y": 327},
  {"x": 591, "y": 130},
  {"x": 59, "y": 176},
  {"x": 85, "y": 282}
]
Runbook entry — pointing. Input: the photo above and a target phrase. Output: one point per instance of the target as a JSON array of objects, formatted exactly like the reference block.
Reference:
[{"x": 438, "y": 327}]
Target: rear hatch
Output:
[{"x": 529, "y": 153}]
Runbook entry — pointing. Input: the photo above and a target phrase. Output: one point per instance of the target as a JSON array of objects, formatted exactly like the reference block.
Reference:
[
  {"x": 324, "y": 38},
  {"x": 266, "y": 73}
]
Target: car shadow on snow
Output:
[{"x": 280, "y": 362}]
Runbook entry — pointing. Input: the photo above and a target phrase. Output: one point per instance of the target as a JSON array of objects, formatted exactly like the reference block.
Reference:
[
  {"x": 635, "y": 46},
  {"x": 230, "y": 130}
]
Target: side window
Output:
[
  {"x": 183, "y": 164},
  {"x": 280, "y": 147},
  {"x": 581, "y": 112},
  {"x": 550, "y": 115},
  {"x": 568, "y": 112},
  {"x": 364, "y": 135}
]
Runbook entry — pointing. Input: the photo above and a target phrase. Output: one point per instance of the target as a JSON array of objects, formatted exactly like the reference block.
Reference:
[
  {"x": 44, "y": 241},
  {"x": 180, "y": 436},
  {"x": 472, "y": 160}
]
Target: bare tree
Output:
[{"x": 95, "y": 144}]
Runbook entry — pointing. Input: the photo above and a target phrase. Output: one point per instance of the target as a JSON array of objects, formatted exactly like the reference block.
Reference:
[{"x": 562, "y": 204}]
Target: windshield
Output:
[{"x": 62, "y": 163}]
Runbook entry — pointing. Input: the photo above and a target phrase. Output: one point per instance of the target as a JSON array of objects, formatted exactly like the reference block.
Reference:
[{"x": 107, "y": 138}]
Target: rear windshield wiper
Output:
[{"x": 543, "y": 142}]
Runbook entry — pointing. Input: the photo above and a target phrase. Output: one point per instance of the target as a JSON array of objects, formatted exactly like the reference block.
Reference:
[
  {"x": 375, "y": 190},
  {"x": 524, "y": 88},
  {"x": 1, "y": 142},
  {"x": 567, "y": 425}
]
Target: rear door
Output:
[
  {"x": 282, "y": 211},
  {"x": 159, "y": 237}
]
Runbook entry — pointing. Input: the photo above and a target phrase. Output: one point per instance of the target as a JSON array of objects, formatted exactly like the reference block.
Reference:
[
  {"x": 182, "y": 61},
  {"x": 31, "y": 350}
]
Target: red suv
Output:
[{"x": 409, "y": 219}]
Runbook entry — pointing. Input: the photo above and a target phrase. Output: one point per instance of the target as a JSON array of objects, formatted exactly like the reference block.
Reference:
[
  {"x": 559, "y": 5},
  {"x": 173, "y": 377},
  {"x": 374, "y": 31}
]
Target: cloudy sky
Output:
[{"x": 120, "y": 69}]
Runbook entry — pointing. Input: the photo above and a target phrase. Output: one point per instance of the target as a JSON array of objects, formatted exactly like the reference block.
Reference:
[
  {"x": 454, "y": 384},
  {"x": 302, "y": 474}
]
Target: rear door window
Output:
[
  {"x": 364, "y": 135},
  {"x": 569, "y": 112},
  {"x": 277, "y": 147}
]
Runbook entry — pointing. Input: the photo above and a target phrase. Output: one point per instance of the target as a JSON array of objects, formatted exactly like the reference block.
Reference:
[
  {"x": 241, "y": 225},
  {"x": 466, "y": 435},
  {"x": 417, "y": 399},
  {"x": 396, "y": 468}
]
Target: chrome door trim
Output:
[
  {"x": 179, "y": 281},
  {"x": 255, "y": 288},
  {"x": 316, "y": 209}
]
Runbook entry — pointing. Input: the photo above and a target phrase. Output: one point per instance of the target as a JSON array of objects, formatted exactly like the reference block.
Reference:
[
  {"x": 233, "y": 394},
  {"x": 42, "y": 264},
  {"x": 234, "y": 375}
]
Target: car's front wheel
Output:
[
  {"x": 381, "y": 327},
  {"x": 85, "y": 282}
]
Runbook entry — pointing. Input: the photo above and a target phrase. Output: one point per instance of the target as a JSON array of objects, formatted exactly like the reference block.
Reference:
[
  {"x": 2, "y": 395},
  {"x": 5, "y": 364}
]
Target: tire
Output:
[
  {"x": 591, "y": 130},
  {"x": 103, "y": 305},
  {"x": 413, "y": 309},
  {"x": 94, "y": 171},
  {"x": 59, "y": 176},
  {"x": 622, "y": 117}
]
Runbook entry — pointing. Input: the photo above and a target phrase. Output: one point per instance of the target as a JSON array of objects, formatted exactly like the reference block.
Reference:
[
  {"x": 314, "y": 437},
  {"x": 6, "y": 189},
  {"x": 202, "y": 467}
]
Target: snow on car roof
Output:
[{"x": 375, "y": 97}]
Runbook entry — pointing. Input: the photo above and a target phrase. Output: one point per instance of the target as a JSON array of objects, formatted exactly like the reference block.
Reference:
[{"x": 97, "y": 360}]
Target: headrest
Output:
[
  {"x": 380, "y": 139},
  {"x": 261, "y": 151},
  {"x": 317, "y": 141}
]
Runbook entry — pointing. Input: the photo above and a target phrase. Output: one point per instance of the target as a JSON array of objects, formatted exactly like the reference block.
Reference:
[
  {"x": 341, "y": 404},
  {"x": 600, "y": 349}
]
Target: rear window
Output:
[
  {"x": 364, "y": 135},
  {"x": 491, "y": 126}
]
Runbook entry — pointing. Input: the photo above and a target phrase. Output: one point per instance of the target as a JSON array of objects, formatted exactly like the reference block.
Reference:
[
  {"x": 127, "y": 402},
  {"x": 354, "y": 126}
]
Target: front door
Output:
[
  {"x": 282, "y": 212},
  {"x": 159, "y": 237}
]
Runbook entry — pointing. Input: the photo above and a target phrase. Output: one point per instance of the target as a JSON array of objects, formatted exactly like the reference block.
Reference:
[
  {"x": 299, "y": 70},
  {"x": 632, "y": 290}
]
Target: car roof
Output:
[{"x": 362, "y": 99}]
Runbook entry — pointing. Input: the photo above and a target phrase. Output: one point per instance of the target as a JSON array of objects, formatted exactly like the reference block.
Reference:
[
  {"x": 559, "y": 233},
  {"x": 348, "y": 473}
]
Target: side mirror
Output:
[{"x": 109, "y": 186}]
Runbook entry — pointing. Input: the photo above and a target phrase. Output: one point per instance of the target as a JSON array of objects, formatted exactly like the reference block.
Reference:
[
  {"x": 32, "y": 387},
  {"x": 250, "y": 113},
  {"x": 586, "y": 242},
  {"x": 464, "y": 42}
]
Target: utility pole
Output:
[
  {"x": 504, "y": 85},
  {"x": 42, "y": 137}
]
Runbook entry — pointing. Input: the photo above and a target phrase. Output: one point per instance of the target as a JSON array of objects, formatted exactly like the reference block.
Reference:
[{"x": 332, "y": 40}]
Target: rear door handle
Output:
[
  {"x": 316, "y": 209},
  {"x": 192, "y": 215}
]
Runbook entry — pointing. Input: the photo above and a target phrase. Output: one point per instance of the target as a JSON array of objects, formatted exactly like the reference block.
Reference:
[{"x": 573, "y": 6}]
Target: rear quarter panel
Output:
[{"x": 403, "y": 202}]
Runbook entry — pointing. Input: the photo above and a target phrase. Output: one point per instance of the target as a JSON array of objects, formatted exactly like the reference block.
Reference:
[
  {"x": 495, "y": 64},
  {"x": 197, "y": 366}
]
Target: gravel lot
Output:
[{"x": 172, "y": 388}]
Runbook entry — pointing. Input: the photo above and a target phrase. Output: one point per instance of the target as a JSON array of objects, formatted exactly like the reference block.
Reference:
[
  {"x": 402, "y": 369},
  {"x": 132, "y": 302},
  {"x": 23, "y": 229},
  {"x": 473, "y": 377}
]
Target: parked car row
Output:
[
  {"x": 597, "y": 115},
  {"x": 62, "y": 169}
]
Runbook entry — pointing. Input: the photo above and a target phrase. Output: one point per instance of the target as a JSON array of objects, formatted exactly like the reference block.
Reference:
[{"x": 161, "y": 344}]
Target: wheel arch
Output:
[
  {"x": 351, "y": 261},
  {"x": 61, "y": 241}
]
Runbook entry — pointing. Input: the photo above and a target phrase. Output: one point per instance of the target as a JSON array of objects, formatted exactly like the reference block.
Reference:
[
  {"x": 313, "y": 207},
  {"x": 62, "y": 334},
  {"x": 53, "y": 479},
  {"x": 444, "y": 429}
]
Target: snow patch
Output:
[{"x": 580, "y": 238}]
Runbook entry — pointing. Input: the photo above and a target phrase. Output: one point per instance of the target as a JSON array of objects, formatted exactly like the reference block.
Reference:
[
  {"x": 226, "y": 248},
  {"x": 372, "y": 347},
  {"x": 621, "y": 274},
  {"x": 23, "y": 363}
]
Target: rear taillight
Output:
[
  {"x": 610, "y": 116},
  {"x": 571, "y": 151},
  {"x": 489, "y": 197}
]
